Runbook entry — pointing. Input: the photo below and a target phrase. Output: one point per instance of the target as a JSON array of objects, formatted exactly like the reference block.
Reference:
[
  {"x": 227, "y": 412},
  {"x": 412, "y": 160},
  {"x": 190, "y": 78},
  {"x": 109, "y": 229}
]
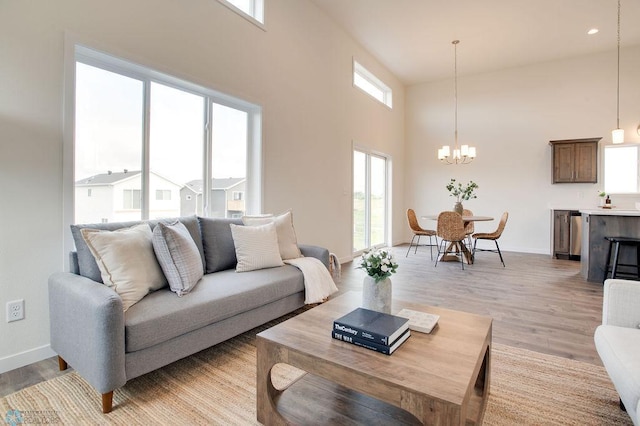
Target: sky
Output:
[{"x": 109, "y": 129}]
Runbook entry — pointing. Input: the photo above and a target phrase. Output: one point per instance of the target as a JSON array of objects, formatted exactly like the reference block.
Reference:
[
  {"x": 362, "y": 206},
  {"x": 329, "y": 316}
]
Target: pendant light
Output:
[
  {"x": 461, "y": 154},
  {"x": 617, "y": 135}
]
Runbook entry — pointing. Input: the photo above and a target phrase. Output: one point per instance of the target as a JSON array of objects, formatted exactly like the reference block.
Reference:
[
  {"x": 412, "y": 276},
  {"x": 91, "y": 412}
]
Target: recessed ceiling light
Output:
[{"x": 593, "y": 31}]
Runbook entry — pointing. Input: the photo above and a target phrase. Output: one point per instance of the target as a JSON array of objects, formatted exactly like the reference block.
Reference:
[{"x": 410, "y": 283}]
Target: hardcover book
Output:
[
  {"x": 368, "y": 344},
  {"x": 373, "y": 326},
  {"x": 420, "y": 321}
]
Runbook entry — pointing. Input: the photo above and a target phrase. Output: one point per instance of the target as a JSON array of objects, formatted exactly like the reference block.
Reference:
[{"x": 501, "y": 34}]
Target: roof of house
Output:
[
  {"x": 111, "y": 178},
  {"x": 108, "y": 178},
  {"x": 216, "y": 184}
]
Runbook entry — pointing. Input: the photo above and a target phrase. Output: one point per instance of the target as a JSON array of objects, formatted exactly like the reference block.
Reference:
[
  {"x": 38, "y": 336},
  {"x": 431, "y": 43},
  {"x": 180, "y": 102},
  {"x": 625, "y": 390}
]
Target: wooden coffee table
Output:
[{"x": 437, "y": 378}]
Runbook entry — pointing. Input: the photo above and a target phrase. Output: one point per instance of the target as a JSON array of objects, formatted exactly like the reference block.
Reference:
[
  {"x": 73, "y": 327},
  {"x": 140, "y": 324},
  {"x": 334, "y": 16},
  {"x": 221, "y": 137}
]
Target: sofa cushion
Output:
[
  {"x": 618, "y": 348},
  {"x": 161, "y": 316},
  {"x": 219, "y": 250},
  {"x": 126, "y": 260},
  {"x": 178, "y": 256},
  {"x": 287, "y": 240},
  {"x": 256, "y": 247},
  {"x": 87, "y": 266}
]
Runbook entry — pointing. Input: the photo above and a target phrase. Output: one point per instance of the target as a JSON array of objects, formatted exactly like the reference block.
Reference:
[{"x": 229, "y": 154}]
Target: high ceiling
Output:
[{"x": 413, "y": 37}]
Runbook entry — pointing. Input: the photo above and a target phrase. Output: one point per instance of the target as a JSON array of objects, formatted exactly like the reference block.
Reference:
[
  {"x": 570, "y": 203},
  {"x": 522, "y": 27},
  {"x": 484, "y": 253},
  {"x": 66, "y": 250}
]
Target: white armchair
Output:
[{"x": 618, "y": 341}]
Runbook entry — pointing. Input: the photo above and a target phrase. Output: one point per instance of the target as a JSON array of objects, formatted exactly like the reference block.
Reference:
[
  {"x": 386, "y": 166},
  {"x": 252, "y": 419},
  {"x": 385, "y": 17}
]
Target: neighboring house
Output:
[
  {"x": 116, "y": 197},
  {"x": 227, "y": 197}
]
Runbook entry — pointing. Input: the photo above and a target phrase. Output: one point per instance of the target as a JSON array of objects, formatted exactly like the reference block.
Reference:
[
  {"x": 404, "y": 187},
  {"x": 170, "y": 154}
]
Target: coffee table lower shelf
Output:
[{"x": 312, "y": 397}]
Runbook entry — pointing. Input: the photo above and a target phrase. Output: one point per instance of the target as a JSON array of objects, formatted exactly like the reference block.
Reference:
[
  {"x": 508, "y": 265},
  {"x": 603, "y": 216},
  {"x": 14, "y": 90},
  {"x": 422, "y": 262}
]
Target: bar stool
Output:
[{"x": 614, "y": 245}]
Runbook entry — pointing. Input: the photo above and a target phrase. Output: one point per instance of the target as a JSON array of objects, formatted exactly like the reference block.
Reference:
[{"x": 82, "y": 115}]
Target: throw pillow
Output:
[
  {"x": 178, "y": 256},
  {"x": 219, "y": 251},
  {"x": 256, "y": 247},
  {"x": 126, "y": 260},
  {"x": 287, "y": 240}
]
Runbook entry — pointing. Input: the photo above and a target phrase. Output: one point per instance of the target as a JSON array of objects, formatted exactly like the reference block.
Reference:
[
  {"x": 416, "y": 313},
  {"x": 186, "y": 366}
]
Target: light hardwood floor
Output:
[{"x": 537, "y": 302}]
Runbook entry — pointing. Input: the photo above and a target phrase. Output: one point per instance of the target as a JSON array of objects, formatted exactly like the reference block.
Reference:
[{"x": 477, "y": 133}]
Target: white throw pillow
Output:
[
  {"x": 287, "y": 240},
  {"x": 178, "y": 256},
  {"x": 127, "y": 261},
  {"x": 256, "y": 247}
]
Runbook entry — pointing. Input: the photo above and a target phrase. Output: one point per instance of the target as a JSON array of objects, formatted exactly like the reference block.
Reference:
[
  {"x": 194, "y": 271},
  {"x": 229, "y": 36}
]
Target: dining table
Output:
[{"x": 459, "y": 246}]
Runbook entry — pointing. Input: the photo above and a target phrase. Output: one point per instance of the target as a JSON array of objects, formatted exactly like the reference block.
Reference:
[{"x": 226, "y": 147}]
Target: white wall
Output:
[
  {"x": 510, "y": 116},
  {"x": 299, "y": 70}
]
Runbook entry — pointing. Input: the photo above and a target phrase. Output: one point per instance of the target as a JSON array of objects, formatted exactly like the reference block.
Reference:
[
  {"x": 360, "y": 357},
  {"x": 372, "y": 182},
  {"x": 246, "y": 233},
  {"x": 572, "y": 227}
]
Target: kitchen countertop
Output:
[{"x": 611, "y": 212}]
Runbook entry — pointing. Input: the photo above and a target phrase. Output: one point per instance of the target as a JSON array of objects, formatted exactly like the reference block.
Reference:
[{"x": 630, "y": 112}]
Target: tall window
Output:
[
  {"x": 370, "y": 200},
  {"x": 366, "y": 81},
  {"x": 621, "y": 173},
  {"x": 149, "y": 146}
]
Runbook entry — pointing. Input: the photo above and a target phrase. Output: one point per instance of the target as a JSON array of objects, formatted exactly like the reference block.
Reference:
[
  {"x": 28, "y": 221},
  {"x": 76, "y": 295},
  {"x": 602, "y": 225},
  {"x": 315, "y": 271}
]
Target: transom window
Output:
[
  {"x": 254, "y": 9},
  {"x": 366, "y": 81}
]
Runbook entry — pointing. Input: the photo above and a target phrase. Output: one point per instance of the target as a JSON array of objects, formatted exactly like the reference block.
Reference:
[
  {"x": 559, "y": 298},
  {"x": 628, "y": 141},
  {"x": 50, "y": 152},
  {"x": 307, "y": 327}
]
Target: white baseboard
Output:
[{"x": 21, "y": 359}]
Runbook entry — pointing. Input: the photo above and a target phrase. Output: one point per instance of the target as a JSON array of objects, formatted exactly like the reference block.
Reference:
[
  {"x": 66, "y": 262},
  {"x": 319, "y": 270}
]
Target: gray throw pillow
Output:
[
  {"x": 178, "y": 256},
  {"x": 219, "y": 250}
]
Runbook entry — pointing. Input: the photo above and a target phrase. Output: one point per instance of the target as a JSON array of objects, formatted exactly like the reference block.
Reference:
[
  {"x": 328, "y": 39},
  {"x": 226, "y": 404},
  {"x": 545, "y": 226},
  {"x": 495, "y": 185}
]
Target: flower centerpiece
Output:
[
  {"x": 461, "y": 192},
  {"x": 376, "y": 288},
  {"x": 379, "y": 264}
]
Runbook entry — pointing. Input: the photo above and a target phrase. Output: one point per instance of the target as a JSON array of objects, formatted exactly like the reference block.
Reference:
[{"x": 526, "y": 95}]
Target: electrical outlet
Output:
[{"x": 15, "y": 310}]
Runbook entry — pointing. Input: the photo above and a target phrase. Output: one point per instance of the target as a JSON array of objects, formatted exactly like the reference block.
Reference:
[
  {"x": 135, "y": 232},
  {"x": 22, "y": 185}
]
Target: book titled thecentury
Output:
[{"x": 367, "y": 325}]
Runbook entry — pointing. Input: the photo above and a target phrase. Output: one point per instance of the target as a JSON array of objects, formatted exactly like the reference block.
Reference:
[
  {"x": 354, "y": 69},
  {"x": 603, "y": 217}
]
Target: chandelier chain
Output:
[{"x": 455, "y": 89}]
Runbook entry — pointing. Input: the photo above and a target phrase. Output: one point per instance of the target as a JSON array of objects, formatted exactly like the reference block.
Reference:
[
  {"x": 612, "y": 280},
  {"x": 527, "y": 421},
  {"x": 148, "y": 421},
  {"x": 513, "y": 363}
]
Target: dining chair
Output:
[
  {"x": 492, "y": 236},
  {"x": 452, "y": 235},
  {"x": 418, "y": 231},
  {"x": 469, "y": 229}
]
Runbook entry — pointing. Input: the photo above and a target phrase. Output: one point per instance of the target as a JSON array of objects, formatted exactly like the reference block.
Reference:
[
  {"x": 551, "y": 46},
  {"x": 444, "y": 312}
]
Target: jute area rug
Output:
[{"x": 217, "y": 387}]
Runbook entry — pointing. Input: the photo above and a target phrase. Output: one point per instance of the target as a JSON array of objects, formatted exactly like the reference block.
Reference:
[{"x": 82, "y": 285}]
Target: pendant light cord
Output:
[
  {"x": 455, "y": 89},
  {"x": 618, "y": 88}
]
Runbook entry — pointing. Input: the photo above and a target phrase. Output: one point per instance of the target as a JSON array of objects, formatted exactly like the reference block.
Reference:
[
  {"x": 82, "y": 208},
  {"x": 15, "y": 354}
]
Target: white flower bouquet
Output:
[{"x": 379, "y": 264}]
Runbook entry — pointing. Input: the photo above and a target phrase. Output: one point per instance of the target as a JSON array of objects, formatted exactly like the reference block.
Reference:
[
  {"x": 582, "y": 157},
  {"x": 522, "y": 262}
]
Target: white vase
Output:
[
  {"x": 376, "y": 296},
  {"x": 457, "y": 207}
]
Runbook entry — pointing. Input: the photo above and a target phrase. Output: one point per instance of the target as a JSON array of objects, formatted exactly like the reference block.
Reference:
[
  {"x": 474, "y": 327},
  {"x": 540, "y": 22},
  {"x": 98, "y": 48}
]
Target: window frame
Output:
[
  {"x": 88, "y": 53},
  {"x": 369, "y": 77},
  {"x": 255, "y": 15},
  {"x": 369, "y": 154}
]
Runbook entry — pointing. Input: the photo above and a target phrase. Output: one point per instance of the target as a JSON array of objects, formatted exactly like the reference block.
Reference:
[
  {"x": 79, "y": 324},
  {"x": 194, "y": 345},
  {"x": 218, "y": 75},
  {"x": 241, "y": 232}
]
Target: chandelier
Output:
[
  {"x": 617, "y": 135},
  {"x": 461, "y": 154}
]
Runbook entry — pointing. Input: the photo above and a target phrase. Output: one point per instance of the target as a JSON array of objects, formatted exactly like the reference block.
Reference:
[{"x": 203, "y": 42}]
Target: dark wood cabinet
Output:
[
  {"x": 575, "y": 160},
  {"x": 560, "y": 232},
  {"x": 567, "y": 234}
]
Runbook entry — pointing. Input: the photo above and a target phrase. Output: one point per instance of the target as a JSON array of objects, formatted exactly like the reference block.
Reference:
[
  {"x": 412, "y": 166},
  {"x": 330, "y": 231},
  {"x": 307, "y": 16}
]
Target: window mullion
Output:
[
  {"x": 206, "y": 167},
  {"x": 146, "y": 143}
]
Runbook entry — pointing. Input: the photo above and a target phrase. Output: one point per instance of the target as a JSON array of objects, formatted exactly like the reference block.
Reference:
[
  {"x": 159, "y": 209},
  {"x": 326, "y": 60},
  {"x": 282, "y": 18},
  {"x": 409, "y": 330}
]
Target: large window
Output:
[
  {"x": 147, "y": 145},
  {"x": 621, "y": 169},
  {"x": 366, "y": 81}
]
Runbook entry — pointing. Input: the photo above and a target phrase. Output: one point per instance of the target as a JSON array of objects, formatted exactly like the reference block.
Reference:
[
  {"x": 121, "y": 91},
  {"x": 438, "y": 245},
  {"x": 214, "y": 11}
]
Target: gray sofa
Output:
[
  {"x": 108, "y": 347},
  {"x": 618, "y": 341}
]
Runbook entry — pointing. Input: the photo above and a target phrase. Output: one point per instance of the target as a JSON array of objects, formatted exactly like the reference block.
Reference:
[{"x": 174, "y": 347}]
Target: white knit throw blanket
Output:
[{"x": 318, "y": 283}]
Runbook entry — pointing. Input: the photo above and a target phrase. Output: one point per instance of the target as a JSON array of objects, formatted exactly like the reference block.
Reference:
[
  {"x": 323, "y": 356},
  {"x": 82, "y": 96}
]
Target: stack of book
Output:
[{"x": 373, "y": 330}]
